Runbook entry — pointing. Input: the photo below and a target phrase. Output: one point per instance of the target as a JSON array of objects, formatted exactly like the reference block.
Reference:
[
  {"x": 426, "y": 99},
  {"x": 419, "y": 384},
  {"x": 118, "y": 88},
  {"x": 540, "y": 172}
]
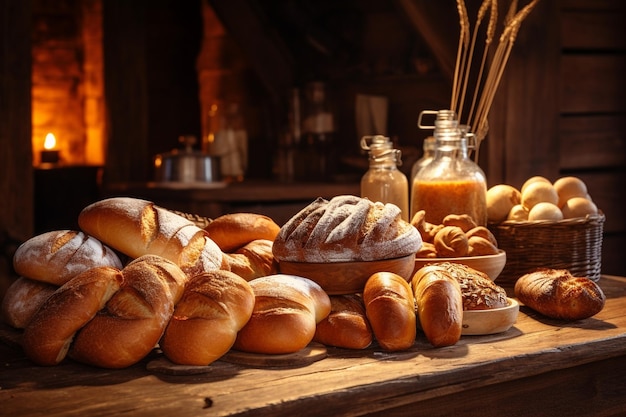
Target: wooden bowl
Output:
[
  {"x": 497, "y": 320},
  {"x": 347, "y": 277},
  {"x": 491, "y": 265}
]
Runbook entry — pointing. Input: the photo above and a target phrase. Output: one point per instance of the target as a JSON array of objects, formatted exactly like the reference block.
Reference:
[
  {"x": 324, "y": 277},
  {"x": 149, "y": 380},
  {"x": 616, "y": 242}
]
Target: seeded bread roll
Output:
[
  {"x": 346, "y": 228},
  {"x": 556, "y": 293},
  {"x": 478, "y": 291}
]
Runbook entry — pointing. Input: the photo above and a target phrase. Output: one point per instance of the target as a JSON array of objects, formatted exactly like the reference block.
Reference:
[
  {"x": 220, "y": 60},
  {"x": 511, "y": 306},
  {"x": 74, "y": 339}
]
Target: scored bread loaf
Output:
[
  {"x": 346, "y": 325},
  {"x": 138, "y": 227},
  {"x": 134, "y": 318},
  {"x": 22, "y": 299},
  {"x": 286, "y": 311},
  {"x": 48, "y": 335},
  {"x": 253, "y": 260},
  {"x": 439, "y": 305},
  {"x": 390, "y": 309},
  {"x": 346, "y": 228},
  {"x": 204, "y": 326},
  {"x": 232, "y": 231},
  {"x": 556, "y": 293},
  {"x": 57, "y": 256}
]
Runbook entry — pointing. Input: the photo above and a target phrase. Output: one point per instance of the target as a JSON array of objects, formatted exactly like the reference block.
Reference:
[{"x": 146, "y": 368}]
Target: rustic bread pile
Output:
[{"x": 197, "y": 292}]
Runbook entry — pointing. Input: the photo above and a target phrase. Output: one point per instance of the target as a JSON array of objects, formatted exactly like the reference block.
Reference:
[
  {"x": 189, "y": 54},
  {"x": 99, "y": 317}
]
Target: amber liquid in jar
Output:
[{"x": 440, "y": 198}]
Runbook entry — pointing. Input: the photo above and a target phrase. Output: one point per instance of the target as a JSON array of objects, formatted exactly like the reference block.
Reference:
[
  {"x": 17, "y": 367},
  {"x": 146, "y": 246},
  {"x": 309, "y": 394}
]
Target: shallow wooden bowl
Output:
[
  {"x": 491, "y": 265},
  {"x": 347, "y": 277},
  {"x": 497, "y": 320}
]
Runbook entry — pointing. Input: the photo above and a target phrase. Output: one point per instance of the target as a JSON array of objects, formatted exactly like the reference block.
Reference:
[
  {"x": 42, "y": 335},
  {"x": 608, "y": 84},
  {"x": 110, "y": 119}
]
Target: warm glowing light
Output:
[{"x": 50, "y": 141}]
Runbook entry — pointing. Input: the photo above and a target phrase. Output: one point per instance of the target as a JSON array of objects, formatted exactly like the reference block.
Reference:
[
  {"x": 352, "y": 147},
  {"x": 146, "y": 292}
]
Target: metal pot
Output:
[{"x": 186, "y": 165}]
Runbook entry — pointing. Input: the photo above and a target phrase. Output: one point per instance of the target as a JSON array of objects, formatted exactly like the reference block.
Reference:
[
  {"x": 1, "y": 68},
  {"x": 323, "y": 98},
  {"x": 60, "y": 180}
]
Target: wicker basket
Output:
[{"x": 573, "y": 244}]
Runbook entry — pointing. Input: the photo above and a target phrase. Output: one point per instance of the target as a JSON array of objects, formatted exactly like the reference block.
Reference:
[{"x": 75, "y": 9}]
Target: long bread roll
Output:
[
  {"x": 134, "y": 318},
  {"x": 214, "y": 307},
  {"x": 48, "y": 335},
  {"x": 232, "y": 231},
  {"x": 138, "y": 227},
  {"x": 556, "y": 293},
  {"x": 390, "y": 309},
  {"x": 286, "y": 311},
  {"x": 439, "y": 305}
]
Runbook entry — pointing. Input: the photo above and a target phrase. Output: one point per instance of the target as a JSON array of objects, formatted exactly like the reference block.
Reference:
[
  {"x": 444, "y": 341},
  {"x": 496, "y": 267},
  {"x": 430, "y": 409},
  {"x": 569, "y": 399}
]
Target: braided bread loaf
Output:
[{"x": 346, "y": 228}]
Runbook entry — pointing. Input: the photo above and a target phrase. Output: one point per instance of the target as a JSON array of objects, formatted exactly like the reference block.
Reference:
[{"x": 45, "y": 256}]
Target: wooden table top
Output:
[{"x": 345, "y": 382}]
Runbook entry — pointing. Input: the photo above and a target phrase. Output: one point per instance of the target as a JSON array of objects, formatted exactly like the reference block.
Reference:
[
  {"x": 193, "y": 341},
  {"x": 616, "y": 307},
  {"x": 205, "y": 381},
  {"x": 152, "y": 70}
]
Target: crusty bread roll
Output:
[
  {"x": 47, "y": 337},
  {"x": 58, "y": 256},
  {"x": 135, "y": 317},
  {"x": 346, "y": 228},
  {"x": 390, "y": 309},
  {"x": 138, "y": 227},
  {"x": 234, "y": 230},
  {"x": 286, "y": 311},
  {"x": 478, "y": 290},
  {"x": 253, "y": 260},
  {"x": 556, "y": 293},
  {"x": 439, "y": 305},
  {"x": 214, "y": 307},
  {"x": 346, "y": 325},
  {"x": 22, "y": 299}
]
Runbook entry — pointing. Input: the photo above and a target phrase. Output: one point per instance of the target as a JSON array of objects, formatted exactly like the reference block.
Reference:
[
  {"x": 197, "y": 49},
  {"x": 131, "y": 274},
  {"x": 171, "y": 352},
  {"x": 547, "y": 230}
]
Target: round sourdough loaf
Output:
[{"x": 346, "y": 228}]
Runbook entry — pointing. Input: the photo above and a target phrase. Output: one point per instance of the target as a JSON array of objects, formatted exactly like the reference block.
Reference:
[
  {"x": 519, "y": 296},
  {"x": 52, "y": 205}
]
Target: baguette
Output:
[
  {"x": 137, "y": 227},
  {"x": 390, "y": 309},
  {"x": 439, "y": 305},
  {"x": 557, "y": 294}
]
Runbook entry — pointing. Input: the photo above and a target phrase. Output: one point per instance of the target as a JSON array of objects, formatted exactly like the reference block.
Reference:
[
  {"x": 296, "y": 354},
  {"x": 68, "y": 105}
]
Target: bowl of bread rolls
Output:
[
  {"x": 458, "y": 239},
  {"x": 339, "y": 243}
]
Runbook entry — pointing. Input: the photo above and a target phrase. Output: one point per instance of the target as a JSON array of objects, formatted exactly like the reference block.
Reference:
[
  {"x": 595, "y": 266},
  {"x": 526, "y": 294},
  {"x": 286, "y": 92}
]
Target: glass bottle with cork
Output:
[
  {"x": 383, "y": 181},
  {"x": 451, "y": 183}
]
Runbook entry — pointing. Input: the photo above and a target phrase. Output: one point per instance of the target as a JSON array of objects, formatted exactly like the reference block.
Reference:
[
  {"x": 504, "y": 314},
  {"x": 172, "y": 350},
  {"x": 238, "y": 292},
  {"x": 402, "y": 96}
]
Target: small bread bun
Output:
[
  {"x": 135, "y": 317},
  {"x": 390, "y": 309},
  {"x": 234, "y": 230},
  {"x": 287, "y": 309},
  {"x": 48, "y": 335},
  {"x": 22, "y": 299},
  {"x": 451, "y": 242},
  {"x": 253, "y": 260},
  {"x": 58, "y": 256},
  {"x": 346, "y": 326},
  {"x": 214, "y": 307}
]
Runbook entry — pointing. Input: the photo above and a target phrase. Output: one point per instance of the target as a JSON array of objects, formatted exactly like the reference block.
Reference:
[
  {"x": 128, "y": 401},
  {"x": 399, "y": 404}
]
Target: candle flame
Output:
[{"x": 50, "y": 142}]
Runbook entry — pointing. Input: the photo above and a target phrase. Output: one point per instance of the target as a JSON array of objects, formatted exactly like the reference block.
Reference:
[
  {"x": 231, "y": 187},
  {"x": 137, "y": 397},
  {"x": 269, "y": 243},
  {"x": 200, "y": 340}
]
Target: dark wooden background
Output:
[{"x": 560, "y": 109}]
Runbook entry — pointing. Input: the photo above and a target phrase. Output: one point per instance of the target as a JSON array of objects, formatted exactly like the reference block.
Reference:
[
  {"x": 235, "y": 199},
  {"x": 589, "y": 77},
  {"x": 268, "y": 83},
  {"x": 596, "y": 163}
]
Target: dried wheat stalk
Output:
[{"x": 484, "y": 92}]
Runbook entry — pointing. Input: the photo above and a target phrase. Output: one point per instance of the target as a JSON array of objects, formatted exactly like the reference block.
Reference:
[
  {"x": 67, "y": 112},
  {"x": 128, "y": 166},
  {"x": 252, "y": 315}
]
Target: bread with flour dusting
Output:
[{"x": 343, "y": 229}]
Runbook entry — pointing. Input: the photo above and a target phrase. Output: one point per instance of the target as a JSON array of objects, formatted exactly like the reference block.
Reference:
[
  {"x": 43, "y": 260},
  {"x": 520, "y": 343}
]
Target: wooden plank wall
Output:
[{"x": 592, "y": 112}]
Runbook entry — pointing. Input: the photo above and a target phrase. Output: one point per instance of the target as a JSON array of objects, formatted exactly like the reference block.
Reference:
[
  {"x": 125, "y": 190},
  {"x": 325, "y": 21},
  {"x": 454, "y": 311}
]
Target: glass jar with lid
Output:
[
  {"x": 383, "y": 181},
  {"x": 451, "y": 183}
]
